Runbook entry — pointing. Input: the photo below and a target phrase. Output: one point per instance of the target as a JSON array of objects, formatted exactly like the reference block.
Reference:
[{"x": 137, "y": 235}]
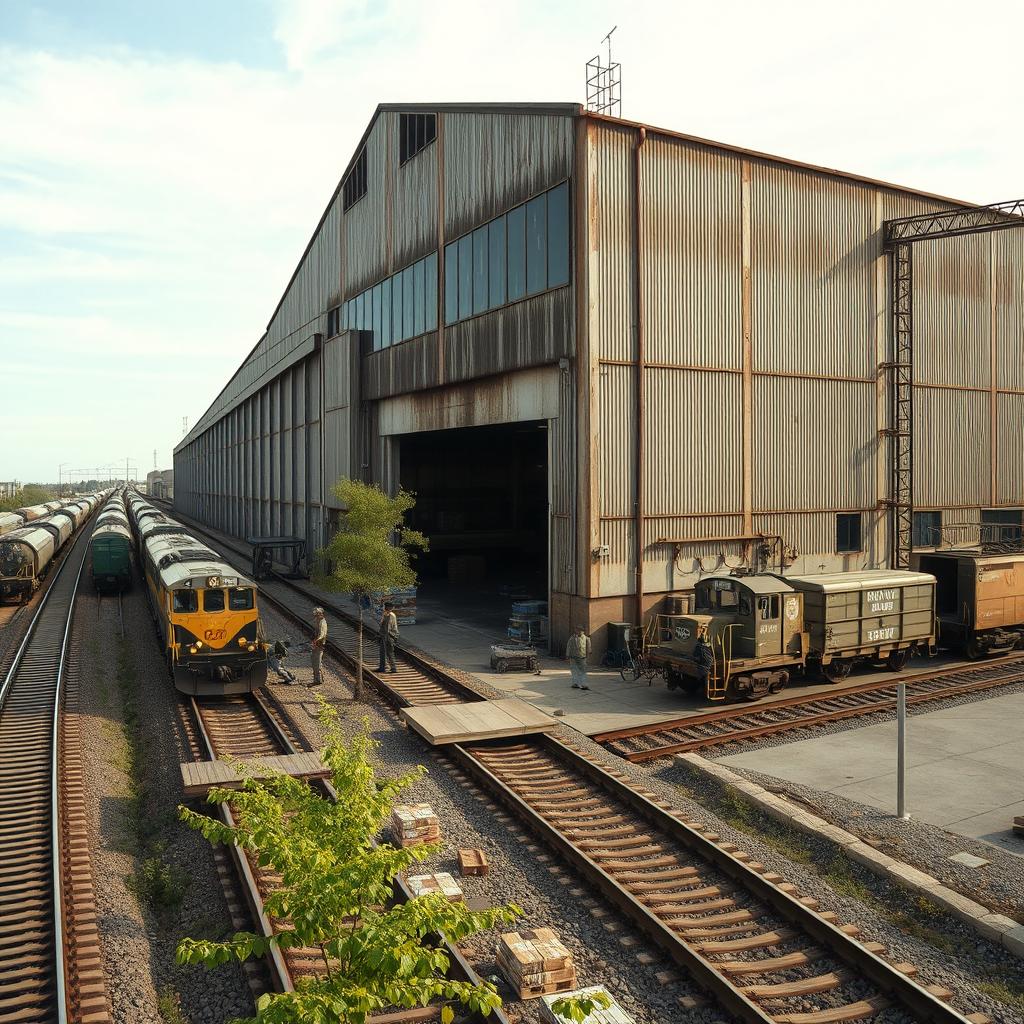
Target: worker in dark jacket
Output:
[{"x": 703, "y": 657}]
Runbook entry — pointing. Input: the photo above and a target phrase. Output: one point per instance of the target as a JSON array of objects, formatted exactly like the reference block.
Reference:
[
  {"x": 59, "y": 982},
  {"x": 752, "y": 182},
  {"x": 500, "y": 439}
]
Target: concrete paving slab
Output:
[{"x": 964, "y": 767}]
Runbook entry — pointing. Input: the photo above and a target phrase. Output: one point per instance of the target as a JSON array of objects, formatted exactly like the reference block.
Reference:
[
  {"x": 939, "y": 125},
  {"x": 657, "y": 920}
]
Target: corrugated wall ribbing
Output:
[
  {"x": 813, "y": 247},
  {"x": 815, "y": 444},
  {"x": 693, "y": 260},
  {"x": 564, "y": 488},
  {"x": 687, "y": 476},
  {"x": 1008, "y": 270},
  {"x": 813, "y": 536},
  {"x": 493, "y": 161},
  {"x": 611, "y": 241},
  {"x": 617, "y": 569},
  {"x": 414, "y": 210},
  {"x": 616, "y": 439},
  {"x": 952, "y": 312},
  {"x": 951, "y": 455},
  {"x": 1010, "y": 479},
  {"x": 365, "y": 227}
]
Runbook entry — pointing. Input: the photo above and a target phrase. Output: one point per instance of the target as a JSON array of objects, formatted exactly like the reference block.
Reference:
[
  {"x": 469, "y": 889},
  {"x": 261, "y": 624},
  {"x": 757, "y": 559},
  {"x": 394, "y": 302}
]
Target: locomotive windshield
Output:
[
  {"x": 213, "y": 600},
  {"x": 240, "y": 599},
  {"x": 185, "y": 601},
  {"x": 13, "y": 559}
]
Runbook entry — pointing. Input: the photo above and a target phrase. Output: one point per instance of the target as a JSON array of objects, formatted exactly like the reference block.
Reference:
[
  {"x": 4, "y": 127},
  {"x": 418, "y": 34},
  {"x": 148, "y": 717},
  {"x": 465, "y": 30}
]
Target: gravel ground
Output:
[
  {"x": 998, "y": 885},
  {"x": 522, "y": 871},
  {"x": 132, "y": 820}
]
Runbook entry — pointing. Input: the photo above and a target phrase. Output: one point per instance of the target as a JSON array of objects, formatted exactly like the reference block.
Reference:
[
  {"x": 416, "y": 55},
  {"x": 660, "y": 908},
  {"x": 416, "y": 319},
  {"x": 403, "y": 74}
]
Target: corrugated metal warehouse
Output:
[{"x": 532, "y": 316}]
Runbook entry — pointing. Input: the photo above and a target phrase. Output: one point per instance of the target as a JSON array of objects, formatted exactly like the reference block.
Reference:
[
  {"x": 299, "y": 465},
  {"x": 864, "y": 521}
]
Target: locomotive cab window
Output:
[
  {"x": 240, "y": 599},
  {"x": 848, "y": 532},
  {"x": 185, "y": 601},
  {"x": 213, "y": 600},
  {"x": 768, "y": 606}
]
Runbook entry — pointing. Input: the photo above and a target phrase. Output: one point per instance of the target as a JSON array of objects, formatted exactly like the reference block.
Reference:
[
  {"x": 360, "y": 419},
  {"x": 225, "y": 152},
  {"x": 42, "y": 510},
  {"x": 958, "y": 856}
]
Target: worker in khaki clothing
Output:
[
  {"x": 576, "y": 650},
  {"x": 318, "y": 643},
  {"x": 388, "y": 637}
]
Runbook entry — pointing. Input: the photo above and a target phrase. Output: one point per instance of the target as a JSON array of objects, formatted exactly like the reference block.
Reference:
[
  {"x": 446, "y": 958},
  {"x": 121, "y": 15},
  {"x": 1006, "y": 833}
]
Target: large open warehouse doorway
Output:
[{"x": 482, "y": 500}]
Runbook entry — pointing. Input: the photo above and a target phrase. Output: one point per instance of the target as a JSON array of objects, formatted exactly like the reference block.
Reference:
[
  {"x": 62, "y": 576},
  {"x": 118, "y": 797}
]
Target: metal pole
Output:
[{"x": 901, "y": 750}]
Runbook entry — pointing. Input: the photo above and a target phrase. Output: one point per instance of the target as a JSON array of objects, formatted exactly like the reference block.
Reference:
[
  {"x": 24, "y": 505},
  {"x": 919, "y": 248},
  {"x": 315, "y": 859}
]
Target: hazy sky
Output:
[{"x": 162, "y": 164}]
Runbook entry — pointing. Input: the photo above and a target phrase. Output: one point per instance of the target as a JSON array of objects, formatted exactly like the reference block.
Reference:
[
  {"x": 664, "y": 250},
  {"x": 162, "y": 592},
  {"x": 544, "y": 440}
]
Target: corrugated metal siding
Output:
[
  {"x": 952, "y": 312},
  {"x": 1008, "y": 272},
  {"x": 414, "y": 203},
  {"x": 1010, "y": 470},
  {"x": 813, "y": 537},
  {"x": 564, "y": 487},
  {"x": 692, "y": 255},
  {"x": 693, "y": 476},
  {"x": 617, "y": 569},
  {"x": 411, "y": 366},
  {"x": 494, "y": 161},
  {"x": 610, "y": 266},
  {"x": 812, "y": 273},
  {"x": 814, "y": 444},
  {"x": 616, "y": 435},
  {"x": 951, "y": 453},
  {"x": 365, "y": 229}
]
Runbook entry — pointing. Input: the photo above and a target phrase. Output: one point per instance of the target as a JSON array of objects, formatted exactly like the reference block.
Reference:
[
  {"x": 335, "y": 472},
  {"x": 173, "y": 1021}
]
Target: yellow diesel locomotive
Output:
[{"x": 206, "y": 613}]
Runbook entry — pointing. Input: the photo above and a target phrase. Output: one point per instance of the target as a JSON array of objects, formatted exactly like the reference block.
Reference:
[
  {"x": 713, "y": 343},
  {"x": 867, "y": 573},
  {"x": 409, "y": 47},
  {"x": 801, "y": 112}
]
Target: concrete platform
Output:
[
  {"x": 480, "y": 720},
  {"x": 965, "y": 767}
]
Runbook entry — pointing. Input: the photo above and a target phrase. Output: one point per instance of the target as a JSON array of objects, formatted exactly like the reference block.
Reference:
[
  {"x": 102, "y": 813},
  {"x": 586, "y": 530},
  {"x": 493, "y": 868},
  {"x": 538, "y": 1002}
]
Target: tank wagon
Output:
[
  {"x": 979, "y": 599},
  {"x": 749, "y": 634},
  {"x": 30, "y": 512},
  {"x": 206, "y": 613},
  {"x": 111, "y": 548},
  {"x": 10, "y": 521}
]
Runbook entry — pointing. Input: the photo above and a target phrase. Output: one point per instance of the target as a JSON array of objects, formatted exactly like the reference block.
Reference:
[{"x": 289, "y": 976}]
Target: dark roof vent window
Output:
[
  {"x": 355, "y": 184},
  {"x": 415, "y": 133}
]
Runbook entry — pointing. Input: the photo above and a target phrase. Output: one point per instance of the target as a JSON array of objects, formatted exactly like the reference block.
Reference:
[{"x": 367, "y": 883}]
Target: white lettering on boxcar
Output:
[
  {"x": 769, "y": 627},
  {"x": 881, "y": 601},
  {"x": 889, "y": 633}
]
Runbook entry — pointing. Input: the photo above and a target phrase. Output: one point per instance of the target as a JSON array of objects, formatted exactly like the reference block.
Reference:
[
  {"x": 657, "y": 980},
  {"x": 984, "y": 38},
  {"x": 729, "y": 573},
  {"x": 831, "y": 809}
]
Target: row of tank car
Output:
[
  {"x": 205, "y": 613},
  {"x": 33, "y": 536},
  {"x": 747, "y": 635},
  {"x": 111, "y": 547}
]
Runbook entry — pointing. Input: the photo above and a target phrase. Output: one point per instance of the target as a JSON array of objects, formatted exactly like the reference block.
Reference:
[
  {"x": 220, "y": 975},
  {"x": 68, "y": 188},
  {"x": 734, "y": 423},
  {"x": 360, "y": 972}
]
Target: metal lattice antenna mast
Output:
[{"x": 604, "y": 82}]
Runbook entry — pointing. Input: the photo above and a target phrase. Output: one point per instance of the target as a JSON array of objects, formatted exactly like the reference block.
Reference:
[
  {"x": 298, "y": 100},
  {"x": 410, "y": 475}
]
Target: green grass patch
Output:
[
  {"x": 159, "y": 884},
  {"x": 168, "y": 1005}
]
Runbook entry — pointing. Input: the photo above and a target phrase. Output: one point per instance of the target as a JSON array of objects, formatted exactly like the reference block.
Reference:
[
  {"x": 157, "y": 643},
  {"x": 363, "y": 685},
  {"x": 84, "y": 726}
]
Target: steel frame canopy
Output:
[{"x": 899, "y": 237}]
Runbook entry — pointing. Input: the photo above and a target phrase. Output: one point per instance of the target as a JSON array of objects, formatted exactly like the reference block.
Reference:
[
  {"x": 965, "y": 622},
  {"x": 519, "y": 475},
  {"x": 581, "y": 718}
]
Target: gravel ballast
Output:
[{"x": 132, "y": 801}]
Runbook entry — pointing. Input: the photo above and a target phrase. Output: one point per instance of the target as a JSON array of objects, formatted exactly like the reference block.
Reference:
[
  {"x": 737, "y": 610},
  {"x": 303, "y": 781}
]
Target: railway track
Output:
[
  {"x": 743, "y": 933},
  {"x": 735, "y": 725},
  {"x": 248, "y": 727},
  {"x": 47, "y": 974}
]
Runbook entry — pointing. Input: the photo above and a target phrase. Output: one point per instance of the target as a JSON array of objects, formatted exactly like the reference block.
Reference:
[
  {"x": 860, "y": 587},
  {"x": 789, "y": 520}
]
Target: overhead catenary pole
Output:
[{"x": 901, "y": 751}]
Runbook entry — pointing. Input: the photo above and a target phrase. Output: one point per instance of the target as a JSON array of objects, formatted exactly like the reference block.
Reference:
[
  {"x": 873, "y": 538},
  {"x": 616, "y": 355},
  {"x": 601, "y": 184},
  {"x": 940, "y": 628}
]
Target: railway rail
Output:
[
  {"x": 47, "y": 972},
  {"x": 743, "y": 933},
  {"x": 803, "y": 711}
]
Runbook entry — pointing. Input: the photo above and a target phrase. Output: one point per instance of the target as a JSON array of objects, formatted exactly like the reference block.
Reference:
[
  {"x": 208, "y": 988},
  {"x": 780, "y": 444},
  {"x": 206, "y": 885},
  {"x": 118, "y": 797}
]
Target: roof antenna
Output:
[{"x": 604, "y": 83}]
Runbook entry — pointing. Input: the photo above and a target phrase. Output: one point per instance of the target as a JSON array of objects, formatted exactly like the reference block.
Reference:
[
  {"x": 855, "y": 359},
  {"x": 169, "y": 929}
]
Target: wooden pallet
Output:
[
  {"x": 473, "y": 862},
  {"x": 199, "y": 777}
]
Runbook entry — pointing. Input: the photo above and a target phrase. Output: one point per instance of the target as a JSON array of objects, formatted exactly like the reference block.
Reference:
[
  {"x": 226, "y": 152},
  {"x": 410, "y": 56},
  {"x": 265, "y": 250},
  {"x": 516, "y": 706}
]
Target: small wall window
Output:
[
  {"x": 355, "y": 184},
  {"x": 415, "y": 133},
  {"x": 333, "y": 321},
  {"x": 848, "y": 532},
  {"x": 927, "y": 529}
]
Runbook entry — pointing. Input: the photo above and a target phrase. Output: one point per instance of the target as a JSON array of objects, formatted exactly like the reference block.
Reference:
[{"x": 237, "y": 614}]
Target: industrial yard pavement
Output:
[{"x": 963, "y": 767}]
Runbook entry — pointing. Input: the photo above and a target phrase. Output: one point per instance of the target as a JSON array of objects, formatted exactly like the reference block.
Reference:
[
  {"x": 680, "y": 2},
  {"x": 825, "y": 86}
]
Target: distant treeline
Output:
[{"x": 30, "y": 494}]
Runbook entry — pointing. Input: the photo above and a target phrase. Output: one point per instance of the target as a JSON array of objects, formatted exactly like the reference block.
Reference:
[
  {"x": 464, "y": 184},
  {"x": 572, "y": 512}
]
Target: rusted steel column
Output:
[
  {"x": 748, "y": 355},
  {"x": 641, "y": 395}
]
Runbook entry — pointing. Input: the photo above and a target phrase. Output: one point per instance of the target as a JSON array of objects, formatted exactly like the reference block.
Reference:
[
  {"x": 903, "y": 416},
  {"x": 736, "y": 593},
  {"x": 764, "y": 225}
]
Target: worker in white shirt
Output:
[
  {"x": 576, "y": 650},
  {"x": 318, "y": 643},
  {"x": 388, "y": 637}
]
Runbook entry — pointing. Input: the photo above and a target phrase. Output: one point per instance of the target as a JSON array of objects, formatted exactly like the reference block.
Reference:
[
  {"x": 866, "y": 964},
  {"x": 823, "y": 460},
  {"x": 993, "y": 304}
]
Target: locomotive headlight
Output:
[
  {"x": 193, "y": 650},
  {"x": 242, "y": 642},
  {"x": 252, "y": 647},
  {"x": 199, "y": 643}
]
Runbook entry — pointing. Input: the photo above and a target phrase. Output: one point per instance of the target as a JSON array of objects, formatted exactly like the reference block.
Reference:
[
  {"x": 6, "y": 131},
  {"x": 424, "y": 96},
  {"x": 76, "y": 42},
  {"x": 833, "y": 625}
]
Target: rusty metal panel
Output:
[
  {"x": 414, "y": 210},
  {"x": 617, "y": 568},
  {"x": 951, "y": 449},
  {"x": 1010, "y": 466},
  {"x": 692, "y": 266},
  {"x": 337, "y": 371},
  {"x": 815, "y": 444},
  {"x": 528, "y": 333},
  {"x": 1008, "y": 297},
  {"x": 670, "y": 567},
  {"x": 610, "y": 263},
  {"x": 565, "y": 486},
  {"x": 494, "y": 161},
  {"x": 365, "y": 228},
  {"x": 953, "y": 311},
  {"x": 705, "y": 475},
  {"x": 812, "y": 538},
  {"x": 616, "y": 431},
  {"x": 410, "y": 366},
  {"x": 813, "y": 251}
]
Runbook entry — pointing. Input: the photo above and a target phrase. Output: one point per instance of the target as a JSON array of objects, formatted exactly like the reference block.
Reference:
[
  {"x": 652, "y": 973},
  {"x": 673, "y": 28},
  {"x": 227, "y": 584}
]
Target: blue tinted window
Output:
[
  {"x": 536, "y": 245},
  {"x": 430, "y": 287},
  {"x": 344, "y": 315},
  {"x": 396, "y": 308},
  {"x": 408, "y": 303},
  {"x": 375, "y": 316},
  {"x": 480, "y": 269},
  {"x": 517, "y": 253},
  {"x": 465, "y": 277},
  {"x": 451, "y": 283},
  {"x": 558, "y": 236},
  {"x": 419, "y": 284},
  {"x": 359, "y": 311},
  {"x": 385, "y": 313},
  {"x": 496, "y": 244}
]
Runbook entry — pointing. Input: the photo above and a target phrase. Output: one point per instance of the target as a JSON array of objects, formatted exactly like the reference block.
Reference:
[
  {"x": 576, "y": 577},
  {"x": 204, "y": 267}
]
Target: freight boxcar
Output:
[
  {"x": 111, "y": 548},
  {"x": 25, "y": 555},
  {"x": 60, "y": 524},
  {"x": 979, "y": 599},
  {"x": 871, "y": 615}
]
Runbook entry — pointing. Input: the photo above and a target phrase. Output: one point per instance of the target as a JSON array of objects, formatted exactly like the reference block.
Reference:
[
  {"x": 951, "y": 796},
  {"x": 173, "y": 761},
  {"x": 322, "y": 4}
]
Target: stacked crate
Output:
[
  {"x": 441, "y": 881},
  {"x": 414, "y": 824},
  {"x": 535, "y": 963}
]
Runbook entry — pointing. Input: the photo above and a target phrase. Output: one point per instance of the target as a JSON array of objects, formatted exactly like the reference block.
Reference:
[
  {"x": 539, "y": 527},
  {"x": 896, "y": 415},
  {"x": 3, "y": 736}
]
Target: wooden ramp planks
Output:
[
  {"x": 199, "y": 777},
  {"x": 479, "y": 720}
]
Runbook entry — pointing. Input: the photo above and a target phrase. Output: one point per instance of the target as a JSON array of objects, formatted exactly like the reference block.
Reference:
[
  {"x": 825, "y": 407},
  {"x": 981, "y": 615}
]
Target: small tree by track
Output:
[{"x": 362, "y": 556}]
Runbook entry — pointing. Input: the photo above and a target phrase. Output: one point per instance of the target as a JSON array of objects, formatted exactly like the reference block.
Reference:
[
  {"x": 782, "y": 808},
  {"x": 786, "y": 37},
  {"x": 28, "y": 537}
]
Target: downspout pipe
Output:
[{"x": 641, "y": 389}]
